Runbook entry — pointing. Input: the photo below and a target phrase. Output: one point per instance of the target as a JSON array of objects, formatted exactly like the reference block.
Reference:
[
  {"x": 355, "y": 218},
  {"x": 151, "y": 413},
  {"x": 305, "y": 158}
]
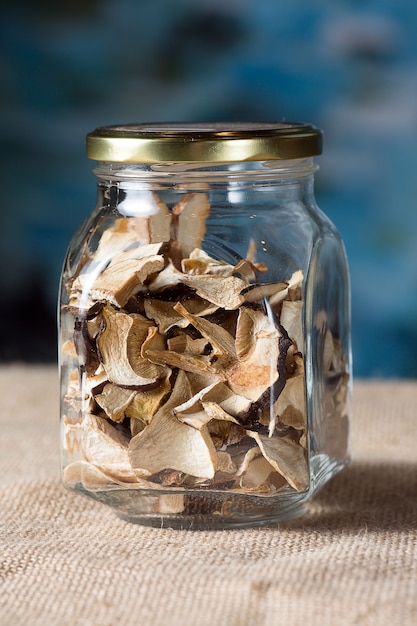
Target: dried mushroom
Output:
[{"x": 190, "y": 368}]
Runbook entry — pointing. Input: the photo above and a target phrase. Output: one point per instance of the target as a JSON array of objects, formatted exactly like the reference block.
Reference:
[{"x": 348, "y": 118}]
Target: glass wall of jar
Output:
[{"x": 205, "y": 328}]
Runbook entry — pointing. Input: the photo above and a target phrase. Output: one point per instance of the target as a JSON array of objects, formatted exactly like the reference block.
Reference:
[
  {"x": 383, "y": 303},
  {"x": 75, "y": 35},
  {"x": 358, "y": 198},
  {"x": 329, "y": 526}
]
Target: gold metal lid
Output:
[{"x": 218, "y": 142}]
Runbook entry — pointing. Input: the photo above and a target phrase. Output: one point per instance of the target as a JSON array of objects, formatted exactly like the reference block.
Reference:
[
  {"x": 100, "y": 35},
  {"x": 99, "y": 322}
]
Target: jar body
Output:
[{"x": 205, "y": 345}]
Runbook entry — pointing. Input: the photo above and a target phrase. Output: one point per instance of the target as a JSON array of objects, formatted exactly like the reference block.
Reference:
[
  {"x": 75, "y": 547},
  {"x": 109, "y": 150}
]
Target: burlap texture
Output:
[{"x": 66, "y": 560}]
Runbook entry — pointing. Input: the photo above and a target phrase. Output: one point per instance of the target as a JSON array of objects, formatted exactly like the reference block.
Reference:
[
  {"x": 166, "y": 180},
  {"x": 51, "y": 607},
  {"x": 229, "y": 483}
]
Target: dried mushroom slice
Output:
[
  {"x": 103, "y": 444},
  {"x": 291, "y": 404},
  {"x": 166, "y": 316},
  {"x": 195, "y": 364},
  {"x": 225, "y": 293},
  {"x": 190, "y": 214},
  {"x": 114, "y": 239},
  {"x": 256, "y": 292},
  {"x": 287, "y": 457},
  {"x": 114, "y": 400},
  {"x": 122, "y": 279},
  {"x": 292, "y": 320},
  {"x": 199, "y": 262},
  {"x": 260, "y": 476},
  {"x": 168, "y": 443},
  {"x": 184, "y": 343},
  {"x": 222, "y": 342},
  {"x": 155, "y": 226},
  {"x": 257, "y": 343},
  {"x": 292, "y": 292},
  {"x": 96, "y": 477},
  {"x": 120, "y": 346}
]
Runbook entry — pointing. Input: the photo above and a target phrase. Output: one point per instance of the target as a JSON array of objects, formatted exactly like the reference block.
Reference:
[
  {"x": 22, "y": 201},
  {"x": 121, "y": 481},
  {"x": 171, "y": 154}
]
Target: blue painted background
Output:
[{"x": 349, "y": 67}]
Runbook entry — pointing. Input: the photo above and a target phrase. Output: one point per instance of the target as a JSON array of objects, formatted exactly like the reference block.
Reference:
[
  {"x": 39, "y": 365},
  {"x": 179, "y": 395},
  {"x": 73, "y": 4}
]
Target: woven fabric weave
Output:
[{"x": 67, "y": 560}]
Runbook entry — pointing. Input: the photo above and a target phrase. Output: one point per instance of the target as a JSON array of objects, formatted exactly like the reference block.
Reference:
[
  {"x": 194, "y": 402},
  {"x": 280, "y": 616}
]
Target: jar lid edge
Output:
[{"x": 204, "y": 142}]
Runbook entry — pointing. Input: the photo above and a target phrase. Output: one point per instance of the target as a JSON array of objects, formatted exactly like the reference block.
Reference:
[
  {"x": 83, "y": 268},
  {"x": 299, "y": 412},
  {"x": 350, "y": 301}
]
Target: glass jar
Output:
[{"x": 204, "y": 328}]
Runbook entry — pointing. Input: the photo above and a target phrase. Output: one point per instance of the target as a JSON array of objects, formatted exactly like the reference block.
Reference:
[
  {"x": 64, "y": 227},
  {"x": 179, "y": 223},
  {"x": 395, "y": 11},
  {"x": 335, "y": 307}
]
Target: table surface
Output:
[{"x": 67, "y": 560}]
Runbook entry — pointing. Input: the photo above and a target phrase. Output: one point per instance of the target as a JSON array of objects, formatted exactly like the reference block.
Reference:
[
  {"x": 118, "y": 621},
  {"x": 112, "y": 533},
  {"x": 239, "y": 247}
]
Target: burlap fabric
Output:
[{"x": 66, "y": 560}]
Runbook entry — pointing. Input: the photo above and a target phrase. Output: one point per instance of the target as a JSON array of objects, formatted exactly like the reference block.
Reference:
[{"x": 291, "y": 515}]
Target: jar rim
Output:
[{"x": 219, "y": 142}]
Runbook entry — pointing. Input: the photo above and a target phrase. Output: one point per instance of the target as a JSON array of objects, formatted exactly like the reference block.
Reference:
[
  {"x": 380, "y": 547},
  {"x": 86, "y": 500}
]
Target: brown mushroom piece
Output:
[
  {"x": 117, "y": 280},
  {"x": 292, "y": 320},
  {"x": 261, "y": 477},
  {"x": 286, "y": 457},
  {"x": 189, "y": 221},
  {"x": 169, "y": 444},
  {"x": 221, "y": 340},
  {"x": 216, "y": 401},
  {"x": 257, "y": 292},
  {"x": 114, "y": 400},
  {"x": 120, "y": 346},
  {"x": 166, "y": 316},
  {"x": 291, "y": 404},
  {"x": 257, "y": 347},
  {"x": 103, "y": 444},
  {"x": 144, "y": 404},
  {"x": 292, "y": 292},
  {"x": 199, "y": 262}
]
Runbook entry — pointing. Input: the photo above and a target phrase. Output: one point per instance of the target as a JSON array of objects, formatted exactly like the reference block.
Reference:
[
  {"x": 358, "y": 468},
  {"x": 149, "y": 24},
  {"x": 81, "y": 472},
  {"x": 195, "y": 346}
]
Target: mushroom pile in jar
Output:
[{"x": 189, "y": 370}]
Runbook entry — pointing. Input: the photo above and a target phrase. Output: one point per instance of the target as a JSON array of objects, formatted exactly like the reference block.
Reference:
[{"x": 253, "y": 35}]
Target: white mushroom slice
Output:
[
  {"x": 114, "y": 239},
  {"x": 184, "y": 343},
  {"x": 287, "y": 457},
  {"x": 257, "y": 341},
  {"x": 87, "y": 474},
  {"x": 192, "y": 212},
  {"x": 226, "y": 400},
  {"x": 152, "y": 221},
  {"x": 256, "y": 477},
  {"x": 72, "y": 432},
  {"x": 248, "y": 270},
  {"x": 94, "y": 326},
  {"x": 291, "y": 404},
  {"x": 292, "y": 292},
  {"x": 295, "y": 286},
  {"x": 103, "y": 444},
  {"x": 257, "y": 292},
  {"x": 200, "y": 380},
  {"x": 153, "y": 341},
  {"x": 120, "y": 281},
  {"x": 224, "y": 292},
  {"x": 199, "y": 262},
  {"x": 215, "y": 411},
  {"x": 166, "y": 316},
  {"x": 169, "y": 444},
  {"x": 168, "y": 277},
  {"x": 95, "y": 477},
  {"x": 135, "y": 251},
  {"x": 114, "y": 401},
  {"x": 188, "y": 362},
  {"x": 193, "y": 403},
  {"x": 292, "y": 320},
  {"x": 120, "y": 345},
  {"x": 216, "y": 401},
  {"x": 221, "y": 340}
]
